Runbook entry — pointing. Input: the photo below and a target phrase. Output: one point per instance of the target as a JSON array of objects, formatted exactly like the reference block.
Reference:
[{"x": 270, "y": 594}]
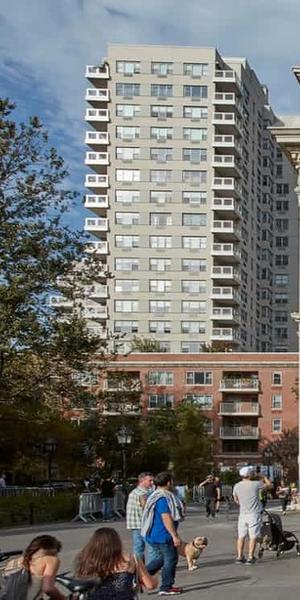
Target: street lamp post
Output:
[
  {"x": 124, "y": 436},
  {"x": 50, "y": 446}
]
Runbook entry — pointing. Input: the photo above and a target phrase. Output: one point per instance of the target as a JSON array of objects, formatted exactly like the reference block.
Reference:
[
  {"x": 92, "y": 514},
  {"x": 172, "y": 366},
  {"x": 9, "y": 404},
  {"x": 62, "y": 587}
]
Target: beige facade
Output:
[{"x": 194, "y": 203}]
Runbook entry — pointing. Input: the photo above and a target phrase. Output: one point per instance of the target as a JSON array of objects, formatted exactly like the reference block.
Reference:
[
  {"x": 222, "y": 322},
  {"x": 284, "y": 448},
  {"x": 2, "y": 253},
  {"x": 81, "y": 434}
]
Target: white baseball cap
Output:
[{"x": 246, "y": 471}]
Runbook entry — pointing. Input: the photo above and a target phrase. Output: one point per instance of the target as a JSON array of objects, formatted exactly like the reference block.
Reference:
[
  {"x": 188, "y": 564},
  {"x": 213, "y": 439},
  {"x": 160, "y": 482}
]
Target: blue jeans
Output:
[
  {"x": 107, "y": 507},
  {"x": 139, "y": 545},
  {"x": 166, "y": 559}
]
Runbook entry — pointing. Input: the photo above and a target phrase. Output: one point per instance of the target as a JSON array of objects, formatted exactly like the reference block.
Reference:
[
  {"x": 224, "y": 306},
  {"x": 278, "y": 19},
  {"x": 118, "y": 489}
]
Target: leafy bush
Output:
[{"x": 20, "y": 510}]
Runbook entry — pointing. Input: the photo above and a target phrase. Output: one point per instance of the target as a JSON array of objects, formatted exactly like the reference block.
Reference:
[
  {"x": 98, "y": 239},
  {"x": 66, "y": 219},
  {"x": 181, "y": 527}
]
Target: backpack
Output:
[{"x": 15, "y": 582}]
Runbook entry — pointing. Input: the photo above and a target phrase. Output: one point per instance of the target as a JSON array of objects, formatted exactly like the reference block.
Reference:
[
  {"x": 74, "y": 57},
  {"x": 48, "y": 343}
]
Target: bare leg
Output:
[
  {"x": 240, "y": 547},
  {"x": 252, "y": 545}
]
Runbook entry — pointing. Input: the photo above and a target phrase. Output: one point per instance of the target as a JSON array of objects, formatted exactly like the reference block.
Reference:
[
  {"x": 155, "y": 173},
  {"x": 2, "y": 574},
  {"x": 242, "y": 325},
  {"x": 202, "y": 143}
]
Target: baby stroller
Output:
[{"x": 273, "y": 537}]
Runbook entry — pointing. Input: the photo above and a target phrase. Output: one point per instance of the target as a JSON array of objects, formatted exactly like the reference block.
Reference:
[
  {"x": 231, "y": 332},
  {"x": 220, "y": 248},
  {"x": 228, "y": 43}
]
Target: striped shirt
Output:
[{"x": 134, "y": 509}]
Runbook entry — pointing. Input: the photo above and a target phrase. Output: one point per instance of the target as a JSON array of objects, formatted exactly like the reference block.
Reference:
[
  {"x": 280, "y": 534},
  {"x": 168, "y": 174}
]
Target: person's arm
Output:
[
  {"x": 267, "y": 483},
  {"x": 169, "y": 525},
  {"x": 203, "y": 483},
  {"x": 150, "y": 582},
  {"x": 49, "y": 574},
  {"x": 218, "y": 493}
]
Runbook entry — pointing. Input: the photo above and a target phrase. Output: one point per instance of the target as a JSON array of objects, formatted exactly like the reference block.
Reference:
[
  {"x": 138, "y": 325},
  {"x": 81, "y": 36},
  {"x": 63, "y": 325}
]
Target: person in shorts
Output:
[{"x": 246, "y": 494}]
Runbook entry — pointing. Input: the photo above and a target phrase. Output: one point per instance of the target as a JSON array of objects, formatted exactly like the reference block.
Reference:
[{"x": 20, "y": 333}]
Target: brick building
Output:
[{"x": 247, "y": 399}]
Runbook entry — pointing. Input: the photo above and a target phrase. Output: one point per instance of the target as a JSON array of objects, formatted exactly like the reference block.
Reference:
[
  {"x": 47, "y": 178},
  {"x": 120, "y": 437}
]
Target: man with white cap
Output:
[{"x": 246, "y": 495}]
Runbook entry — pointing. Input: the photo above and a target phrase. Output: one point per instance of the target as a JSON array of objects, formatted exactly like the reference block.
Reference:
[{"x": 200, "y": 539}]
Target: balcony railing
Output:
[
  {"x": 225, "y": 293},
  {"x": 99, "y": 313},
  {"x": 96, "y": 181},
  {"x": 225, "y": 313},
  {"x": 97, "y": 114},
  {"x": 228, "y": 250},
  {"x": 93, "y": 201},
  {"x": 228, "y": 204},
  {"x": 96, "y": 224},
  {"x": 226, "y": 272},
  {"x": 224, "y": 98},
  {"x": 97, "y": 94},
  {"x": 60, "y": 302},
  {"x": 93, "y": 72},
  {"x": 231, "y": 384},
  {"x": 100, "y": 247},
  {"x": 96, "y": 158},
  {"x": 242, "y": 432},
  {"x": 226, "y": 227},
  {"x": 96, "y": 137},
  {"x": 227, "y": 76},
  {"x": 239, "y": 408},
  {"x": 224, "y": 333},
  {"x": 98, "y": 292}
]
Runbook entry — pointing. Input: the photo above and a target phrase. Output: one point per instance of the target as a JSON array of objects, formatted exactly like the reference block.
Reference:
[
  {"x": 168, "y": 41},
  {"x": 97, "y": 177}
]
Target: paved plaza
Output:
[{"x": 218, "y": 577}]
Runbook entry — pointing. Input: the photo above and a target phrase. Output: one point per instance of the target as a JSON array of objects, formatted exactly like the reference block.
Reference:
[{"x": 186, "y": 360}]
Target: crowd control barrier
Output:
[{"x": 90, "y": 504}]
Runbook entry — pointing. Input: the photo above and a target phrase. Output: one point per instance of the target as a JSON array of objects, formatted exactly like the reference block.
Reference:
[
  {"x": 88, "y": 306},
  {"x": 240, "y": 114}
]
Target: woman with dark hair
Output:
[
  {"x": 41, "y": 561},
  {"x": 103, "y": 558}
]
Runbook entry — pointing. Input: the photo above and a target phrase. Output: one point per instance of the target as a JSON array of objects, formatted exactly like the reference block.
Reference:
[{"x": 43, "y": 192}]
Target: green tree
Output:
[
  {"x": 284, "y": 452},
  {"x": 142, "y": 344}
]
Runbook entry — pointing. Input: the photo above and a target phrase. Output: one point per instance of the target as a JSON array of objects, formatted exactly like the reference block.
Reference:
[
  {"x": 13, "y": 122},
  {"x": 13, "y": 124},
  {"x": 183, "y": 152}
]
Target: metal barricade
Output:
[
  {"x": 90, "y": 503},
  {"x": 15, "y": 490},
  {"x": 119, "y": 503}
]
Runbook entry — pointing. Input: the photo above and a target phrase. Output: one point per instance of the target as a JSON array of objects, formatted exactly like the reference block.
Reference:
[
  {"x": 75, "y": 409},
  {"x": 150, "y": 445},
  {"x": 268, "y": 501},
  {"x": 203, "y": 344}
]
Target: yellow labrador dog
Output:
[{"x": 192, "y": 550}]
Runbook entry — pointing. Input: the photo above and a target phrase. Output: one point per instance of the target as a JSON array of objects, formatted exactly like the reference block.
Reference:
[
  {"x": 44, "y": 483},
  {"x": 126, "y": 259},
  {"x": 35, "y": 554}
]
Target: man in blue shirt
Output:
[{"x": 160, "y": 521}]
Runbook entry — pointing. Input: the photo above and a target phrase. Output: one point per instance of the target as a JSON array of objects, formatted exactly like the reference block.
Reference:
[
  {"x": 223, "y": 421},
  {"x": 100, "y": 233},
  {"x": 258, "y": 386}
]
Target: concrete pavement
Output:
[{"x": 218, "y": 577}]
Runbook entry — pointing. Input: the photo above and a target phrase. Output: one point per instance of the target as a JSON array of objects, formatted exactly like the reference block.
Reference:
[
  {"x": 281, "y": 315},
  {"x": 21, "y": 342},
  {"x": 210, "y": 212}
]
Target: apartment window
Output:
[
  {"x": 160, "y": 285},
  {"x": 161, "y": 154},
  {"x": 161, "y": 90},
  {"x": 281, "y": 316},
  {"x": 202, "y": 401},
  {"x": 160, "y": 264},
  {"x": 127, "y": 218},
  {"x": 282, "y": 189},
  {"x": 194, "y": 154},
  {"x": 281, "y": 280},
  {"x": 195, "y": 134},
  {"x": 126, "y": 327},
  {"x": 281, "y": 333},
  {"x": 194, "y": 243},
  {"x": 193, "y": 327},
  {"x": 196, "y": 219},
  {"x": 194, "y": 287},
  {"x": 126, "y": 306},
  {"x": 281, "y": 260},
  {"x": 191, "y": 347},
  {"x": 164, "y": 346},
  {"x": 127, "y": 67},
  {"x": 160, "y": 241},
  {"x": 162, "y": 68},
  {"x": 195, "y": 91},
  {"x": 128, "y": 175},
  {"x": 276, "y": 426},
  {"x": 193, "y": 306},
  {"x": 208, "y": 426},
  {"x": 161, "y": 133},
  {"x": 161, "y": 378},
  {"x": 281, "y": 298},
  {"x": 195, "y": 112},
  {"x": 161, "y": 111},
  {"x": 127, "y": 285},
  {"x": 160, "y": 176},
  {"x": 159, "y": 327},
  {"x": 127, "y": 90},
  {"x": 193, "y": 264},
  {"x": 282, "y": 242},
  {"x": 159, "y": 306},
  {"x": 127, "y": 241},
  {"x": 194, "y": 198},
  {"x": 127, "y": 133},
  {"x": 127, "y": 153},
  {"x": 277, "y": 378},
  {"x": 160, "y": 197},
  {"x": 160, "y": 219},
  {"x": 126, "y": 264},
  {"x": 127, "y": 196},
  {"x": 128, "y": 111},
  {"x": 160, "y": 400},
  {"x": 199, "y": 378},
  {"x": 282, "y": 205},
  {"x": 282, "y": 225},
  {"x": 195, "y": 69},
  {"x": 277, "y": 402}
]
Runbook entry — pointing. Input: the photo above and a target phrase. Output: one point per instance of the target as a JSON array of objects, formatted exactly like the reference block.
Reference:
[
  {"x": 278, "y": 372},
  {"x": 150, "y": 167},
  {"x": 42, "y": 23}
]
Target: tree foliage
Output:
[
  {"x": 284, "y": 452},
  {"x": 142, "y": 344}
]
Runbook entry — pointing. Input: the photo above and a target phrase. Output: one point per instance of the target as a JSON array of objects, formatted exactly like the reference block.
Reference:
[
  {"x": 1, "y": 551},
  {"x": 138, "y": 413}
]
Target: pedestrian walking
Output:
[
  {"x": 246, "y": 494},
  {"x": 159, "y": 528},
  {"x": 107, "y": 490},
  {"x": 218, "y": 484},
  {"x": 134, "y": 512},
  {"x": 284, "y": 494},
  {"x": 210, "y": 495}
]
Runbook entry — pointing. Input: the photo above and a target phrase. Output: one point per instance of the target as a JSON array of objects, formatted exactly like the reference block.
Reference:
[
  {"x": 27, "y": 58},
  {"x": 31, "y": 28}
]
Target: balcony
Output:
[
  {"x": 228, "y": 77},
  {"x": 92, "y": 72},
  {"x": 240, "y": 384},
  {"x": 225, "y": 313},
  {"x": 225, "y": 334},
  {"x": 226, "y": 184},
  {"x": 227, "y": 205},
  {"x": 94, "y": 202},
  {"x": 98, "y": 292},
  {"x": 224, "y": 98},
  {"x": 61, "y": 302},
  {"x": 243, "y": 432},
  {"x": 98, "y": 313},
  {"x": 227, "y": 120},
  {"x": 225, "y": 293},
  {"x": 96, "y": 159},
  {"x": 227, "y": 141},
  {"x": 227, "y": 229},
  {"x": 96, "y": 225},
  {"x": 96, "y": 95},
  {"x": 239, "y": 408},
  {"x": 228, "y": 273},
  {"x": 96, "y": 115},
  {"x": 96, "y": 181},
  {"x": 96, "y": 138},
  {"x": 227, "y": 251},
  {"x": 100, "y": 247},
  {"x": 227, "y": 162}
]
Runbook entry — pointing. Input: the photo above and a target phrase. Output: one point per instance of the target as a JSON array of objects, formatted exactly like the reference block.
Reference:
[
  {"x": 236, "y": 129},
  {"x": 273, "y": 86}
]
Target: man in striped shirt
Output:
[{"x": 134, "y": 511}]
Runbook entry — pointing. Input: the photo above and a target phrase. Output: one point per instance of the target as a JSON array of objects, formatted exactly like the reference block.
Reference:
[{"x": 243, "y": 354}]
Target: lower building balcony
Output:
[
  {"x": 228, "y": 229},
  {"x": 99, "y": 72},
  {"x": 61, "y": 302},
  {"x": 96, "y": 203},
  {"x": 96, "y": 138},
  {"x": 96, "y": 181},
  {"x": 98, "y": 313},
  {"x": 227, "y": 184},
  {"x": 226, "y": 273},
  {"x": 98, "y": 292},
  {"x": 228, "y": 76},
  {"x": 238, "y": 384},
  {"x": 227, "y": 251},
  {"x": 96, "y": 95},
  {"x": 226, "y": 293},
  {"x": 225, "y": 313},
  {"x": 96, "y": 225},
  {"x": 100, "y": 247},
  {"x": 228, "y": 121},
  {"x": 226, "y": 334},
  {"x": 239, "y": 408},
  {"x": 96, "y": 159},
  {"x": 96, "y": 115},
  {"x": 227, "y": 163},
  {"x": 227, "y": 141},
  {"x": 227, "y": 206},
  {"x": 246, "y": 432}
]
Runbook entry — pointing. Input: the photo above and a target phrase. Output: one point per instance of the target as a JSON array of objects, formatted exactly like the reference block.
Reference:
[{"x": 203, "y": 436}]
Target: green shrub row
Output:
[{"x": 22, "y": 510}]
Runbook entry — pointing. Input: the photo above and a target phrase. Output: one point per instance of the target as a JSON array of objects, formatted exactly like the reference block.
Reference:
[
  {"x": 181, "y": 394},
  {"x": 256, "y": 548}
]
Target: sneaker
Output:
[
  {"x": 240, "y": 561},
  {"x": 172, "y": 591},
  {"x": 251, "y": 561}
]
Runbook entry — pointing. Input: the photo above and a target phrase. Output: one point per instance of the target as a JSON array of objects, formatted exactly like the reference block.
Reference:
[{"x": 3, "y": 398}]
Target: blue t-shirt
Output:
[{"x": 158, "y": 534}]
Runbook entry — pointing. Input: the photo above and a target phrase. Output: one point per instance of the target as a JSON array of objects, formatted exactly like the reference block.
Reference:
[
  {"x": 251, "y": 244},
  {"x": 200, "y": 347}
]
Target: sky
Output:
[{"x": 46, "y": 44}]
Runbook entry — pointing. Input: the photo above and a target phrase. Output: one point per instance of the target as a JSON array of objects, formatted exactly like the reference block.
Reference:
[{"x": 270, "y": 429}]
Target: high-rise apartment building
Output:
[{"x": 195, "y": 211}]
